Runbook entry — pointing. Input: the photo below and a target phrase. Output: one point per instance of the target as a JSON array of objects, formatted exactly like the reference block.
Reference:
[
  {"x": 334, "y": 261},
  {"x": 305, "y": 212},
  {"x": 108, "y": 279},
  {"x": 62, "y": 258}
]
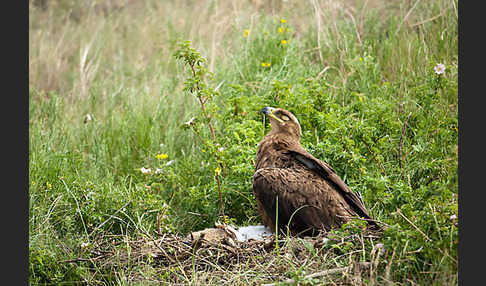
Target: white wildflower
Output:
[
  {"x": 158, "y": 171},
  {"x": 145, "y": 171},
  {"x": 90, "y": 195},
  {"x": 190, "y": 122},
  {"x": 87, "y": 118},
  {"x": 439, "y": 69},
  {"x": 170, "y": 162},
  {"x": 452, "y": 217}
]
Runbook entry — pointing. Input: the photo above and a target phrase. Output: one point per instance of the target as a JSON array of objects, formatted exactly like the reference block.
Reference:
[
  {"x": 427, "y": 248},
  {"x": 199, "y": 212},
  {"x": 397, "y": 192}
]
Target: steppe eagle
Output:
[{"x": 309, "y": 192}]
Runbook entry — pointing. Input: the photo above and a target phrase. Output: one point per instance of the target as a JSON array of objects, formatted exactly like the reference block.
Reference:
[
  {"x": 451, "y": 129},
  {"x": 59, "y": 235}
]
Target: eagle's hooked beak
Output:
[{"x": 269, "y": 111}]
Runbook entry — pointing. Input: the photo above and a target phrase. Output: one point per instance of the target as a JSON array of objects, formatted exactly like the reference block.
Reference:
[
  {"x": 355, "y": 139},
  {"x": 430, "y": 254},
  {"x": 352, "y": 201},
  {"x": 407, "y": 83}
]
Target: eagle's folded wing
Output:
[
  {"x": 326, "y": 172},
  {"x": 305, "y": 200}
]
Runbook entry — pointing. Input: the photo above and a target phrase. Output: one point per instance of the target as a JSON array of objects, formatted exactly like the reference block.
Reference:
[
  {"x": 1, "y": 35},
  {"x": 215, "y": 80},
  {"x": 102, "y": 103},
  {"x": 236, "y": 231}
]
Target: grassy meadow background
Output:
[{"x": 108, "y": 97}]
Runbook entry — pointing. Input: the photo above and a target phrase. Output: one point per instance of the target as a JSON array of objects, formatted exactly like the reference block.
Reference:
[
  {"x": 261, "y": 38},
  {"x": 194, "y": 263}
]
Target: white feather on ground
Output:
[{"x": 257, "y": 232}]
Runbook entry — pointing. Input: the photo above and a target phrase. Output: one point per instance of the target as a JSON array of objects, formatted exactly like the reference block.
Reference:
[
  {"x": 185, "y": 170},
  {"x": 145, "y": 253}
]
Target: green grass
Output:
[{"x": 361, "y": 82}]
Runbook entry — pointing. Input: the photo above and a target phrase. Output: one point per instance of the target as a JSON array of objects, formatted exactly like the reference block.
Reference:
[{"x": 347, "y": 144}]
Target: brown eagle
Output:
[{"x": 305, "y": 192}]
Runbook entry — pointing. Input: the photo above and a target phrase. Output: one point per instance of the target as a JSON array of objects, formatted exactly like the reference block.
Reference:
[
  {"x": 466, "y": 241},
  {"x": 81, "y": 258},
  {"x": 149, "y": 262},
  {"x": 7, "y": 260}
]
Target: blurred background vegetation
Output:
[{"x": 107, "y": 98}]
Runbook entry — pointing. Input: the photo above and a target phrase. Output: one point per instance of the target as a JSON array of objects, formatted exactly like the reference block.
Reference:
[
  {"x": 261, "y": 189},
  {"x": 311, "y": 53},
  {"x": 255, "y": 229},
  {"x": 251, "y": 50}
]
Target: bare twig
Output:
[
  {"x": 410, "y": 222},
  {"x": 322, "y": 72},
  {"x": 406, "y": 16},
  {"x": 220, "y": 197},
  {"x": 388, "y": 267},
  {"x": 201, "y": 102},
  {"x": 428, "y": 20}
]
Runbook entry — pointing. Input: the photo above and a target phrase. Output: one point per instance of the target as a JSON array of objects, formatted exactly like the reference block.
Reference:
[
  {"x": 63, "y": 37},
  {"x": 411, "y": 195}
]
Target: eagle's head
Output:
[{"x": 283, "y": 122}]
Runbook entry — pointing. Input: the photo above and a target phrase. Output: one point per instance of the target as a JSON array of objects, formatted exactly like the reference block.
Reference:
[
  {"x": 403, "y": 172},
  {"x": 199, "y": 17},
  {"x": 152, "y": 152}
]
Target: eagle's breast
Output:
[{"x": 272, "y": 153}]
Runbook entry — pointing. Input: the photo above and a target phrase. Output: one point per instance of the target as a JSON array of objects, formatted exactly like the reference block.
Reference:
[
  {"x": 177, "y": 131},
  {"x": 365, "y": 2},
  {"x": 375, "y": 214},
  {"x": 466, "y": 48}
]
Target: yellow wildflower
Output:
[
  {"x": 49, "y": 186},
  {"x": 283, "y": 42},
  {"x": 217, "y": 171},
  {"x": 246, "y": 33},
  {"x": 283, "y": 21},
  {"x": 161, "y": 156},
  {"x": 360, "y": 59},
  {"x": 287, "y": 30},
  {"x": 280, "y": 30},
  {"x": 265, "y": 65}
]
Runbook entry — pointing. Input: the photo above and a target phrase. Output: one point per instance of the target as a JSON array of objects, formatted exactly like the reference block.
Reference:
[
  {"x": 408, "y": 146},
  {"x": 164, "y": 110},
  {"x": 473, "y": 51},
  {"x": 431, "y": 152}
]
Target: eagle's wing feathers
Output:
[
  {"x": 302, "y": 200},
  {"x": 326, "y": 172}
]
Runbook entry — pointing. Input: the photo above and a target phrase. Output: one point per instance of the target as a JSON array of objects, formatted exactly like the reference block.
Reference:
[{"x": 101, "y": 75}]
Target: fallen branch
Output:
[{"x": 322, "y": 273}]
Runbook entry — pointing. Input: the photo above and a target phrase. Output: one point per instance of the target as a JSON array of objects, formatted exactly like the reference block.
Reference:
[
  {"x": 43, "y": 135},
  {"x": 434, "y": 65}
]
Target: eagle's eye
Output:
[{"x": 285, "y": 118}]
